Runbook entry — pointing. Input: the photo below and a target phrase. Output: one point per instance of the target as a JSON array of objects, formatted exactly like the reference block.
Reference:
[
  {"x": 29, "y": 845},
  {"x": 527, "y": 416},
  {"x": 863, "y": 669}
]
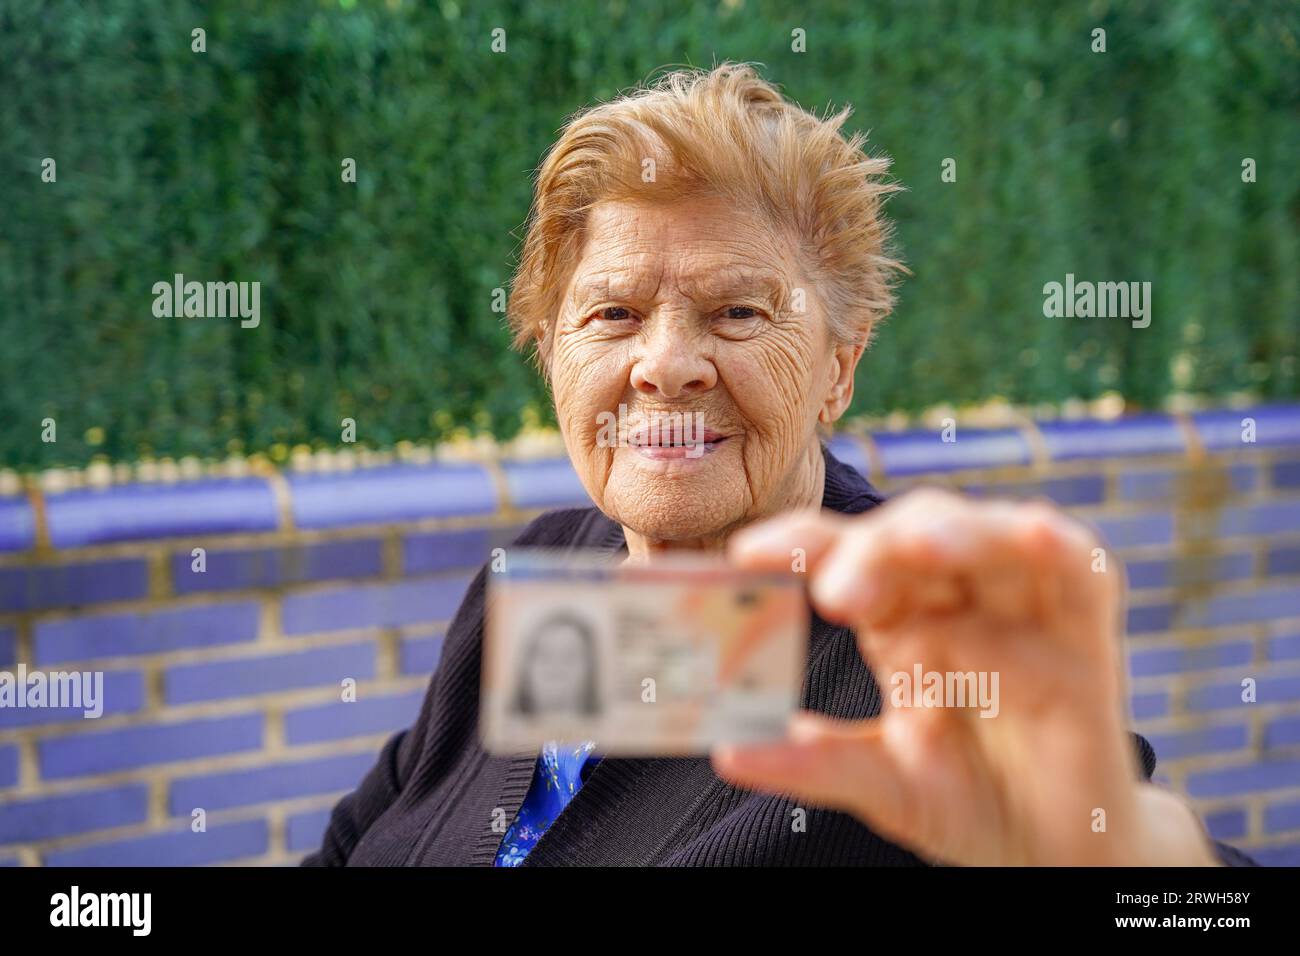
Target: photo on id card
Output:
[{"x": 662, "y": 658}]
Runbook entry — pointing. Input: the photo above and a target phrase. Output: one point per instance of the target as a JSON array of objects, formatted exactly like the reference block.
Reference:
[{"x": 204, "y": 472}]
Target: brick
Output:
[
  {"x": 150, "y": 632},
  {"x": 303, "y": 832},
  {"x": 1204, "y": 740},
  {"x": 1286, "y": 474},
  {"x": 1268, "y": 690},
  {"x": 141, "y": 746},
  {"x": 17, "y": 524},
  {"x": 48, "y": 817},
  {"x": 282, "y": 781},
  {"x": 1137, "y": 530},
  {"x": 419, "y": 654},
  {"x": 1067, "y": 492},
  {"x": 1226, "y": 824},
  {"x": 1177, "y": 660},
  {"x": 1269, "y": 517},
  {"x": 73, "y": 585},
  {"x": 546, "y": 483},
  {"x": 1177, "y": 484},
  {"x": 1247, "y": 778},
  {"x": 391, "y": 494},
  {"x": 921, "y": 452},
  {"x": 8, "y": 646},
  {"x": 233, "y": 570},
  {"x": 145, "y": 511},
  {"x": 1244, "y": 477},
  {"x": 1190, "y": 572},
  {"x": 1282, "y": 816},
  {"x": 1147, "y": 485},
  {"x": 1282, "y": 732},
  {"x": 179, "y": 847},
  {"x": 1150, "y": 618},
  {"x": 1149, "y": 706},
  {"x": 1284, "y": 648},
  {"x": 123, "y": 693},
  {"x": 1260, "y": 604},
  {"x": 1131, "y": 435},
  {"x": 850, "y": 450},
  {"x": 1285, "y": 855},
  {"x": 1284, "y": 560},
  {"x": 1275, "y": 425},
  {"x": 245, "y": 676},
  {"x": 445, "y": 550},
  {"x": 374, "y": 605},
  {"x": 1075, "y": 490},
  {"x": 8, "y": 765},
  {"x": 364, "y": 716}
]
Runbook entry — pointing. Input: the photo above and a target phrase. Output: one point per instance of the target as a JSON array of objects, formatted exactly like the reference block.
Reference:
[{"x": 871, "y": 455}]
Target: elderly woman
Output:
[{"x": 706, "y": 247}]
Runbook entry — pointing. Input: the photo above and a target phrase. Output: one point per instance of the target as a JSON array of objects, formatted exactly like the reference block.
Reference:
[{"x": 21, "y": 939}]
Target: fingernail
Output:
[
  {"x": 838, "y": 586},
  {"x": 804, "y": 727},
  {"x": 723, "y": 753}
]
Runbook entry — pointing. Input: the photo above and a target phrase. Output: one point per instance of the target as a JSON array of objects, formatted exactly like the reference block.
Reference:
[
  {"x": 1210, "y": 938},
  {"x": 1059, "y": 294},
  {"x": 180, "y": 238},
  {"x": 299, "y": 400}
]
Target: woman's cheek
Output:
[
  {"x": 586, "y": 383},
  {"x": 772, "y": 388}
]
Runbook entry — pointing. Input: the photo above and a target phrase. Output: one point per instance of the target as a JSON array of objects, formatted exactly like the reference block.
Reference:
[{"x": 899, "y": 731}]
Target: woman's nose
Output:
[{"x": 671, "y": 364}]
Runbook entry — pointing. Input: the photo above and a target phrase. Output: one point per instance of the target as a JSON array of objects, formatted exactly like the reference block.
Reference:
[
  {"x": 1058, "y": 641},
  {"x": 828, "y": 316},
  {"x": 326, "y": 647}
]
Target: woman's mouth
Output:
[{"x": 675, "y": 443}]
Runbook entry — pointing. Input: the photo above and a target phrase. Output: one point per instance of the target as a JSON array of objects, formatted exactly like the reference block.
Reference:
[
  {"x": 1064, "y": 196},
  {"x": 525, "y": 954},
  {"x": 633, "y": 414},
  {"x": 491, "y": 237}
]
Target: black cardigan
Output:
[{"x": 435, "y": 798}]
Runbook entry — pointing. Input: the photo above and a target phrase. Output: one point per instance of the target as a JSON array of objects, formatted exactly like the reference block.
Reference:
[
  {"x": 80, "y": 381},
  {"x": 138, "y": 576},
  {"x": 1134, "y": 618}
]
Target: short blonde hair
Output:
[{"x": 723, "y": 132}]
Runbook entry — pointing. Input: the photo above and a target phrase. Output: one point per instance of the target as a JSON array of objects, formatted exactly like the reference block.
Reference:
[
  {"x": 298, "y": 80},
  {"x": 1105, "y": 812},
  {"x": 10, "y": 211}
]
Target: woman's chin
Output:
[{"x": 675, "y": 498}]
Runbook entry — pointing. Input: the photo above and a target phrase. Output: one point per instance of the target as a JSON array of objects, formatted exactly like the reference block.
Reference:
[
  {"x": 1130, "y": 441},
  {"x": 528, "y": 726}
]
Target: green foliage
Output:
[{"x": 376, "y": 297}]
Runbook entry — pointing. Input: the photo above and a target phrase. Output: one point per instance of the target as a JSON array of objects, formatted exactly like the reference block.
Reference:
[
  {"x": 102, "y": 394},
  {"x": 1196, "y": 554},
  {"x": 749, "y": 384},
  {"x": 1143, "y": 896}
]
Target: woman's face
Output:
[
  {"x": 692, "y": 309},
  {"x": 558, "y": 670}
]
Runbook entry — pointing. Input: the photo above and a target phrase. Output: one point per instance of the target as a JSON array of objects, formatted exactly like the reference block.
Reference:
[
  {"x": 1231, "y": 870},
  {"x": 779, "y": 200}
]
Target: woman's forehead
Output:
[
  {"x": 697, "y": 219},
  {"x": 701, "y": 251}
]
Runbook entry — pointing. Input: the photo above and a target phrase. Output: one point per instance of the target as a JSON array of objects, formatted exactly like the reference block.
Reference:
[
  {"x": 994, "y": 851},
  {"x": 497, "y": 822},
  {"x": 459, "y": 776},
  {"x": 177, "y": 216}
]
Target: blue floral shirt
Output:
[{"x": 557, "y": 777}]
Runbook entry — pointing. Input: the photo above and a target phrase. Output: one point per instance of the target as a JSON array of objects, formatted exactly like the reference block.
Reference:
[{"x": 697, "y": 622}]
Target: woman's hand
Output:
[{"x": 1020, "y": 591}]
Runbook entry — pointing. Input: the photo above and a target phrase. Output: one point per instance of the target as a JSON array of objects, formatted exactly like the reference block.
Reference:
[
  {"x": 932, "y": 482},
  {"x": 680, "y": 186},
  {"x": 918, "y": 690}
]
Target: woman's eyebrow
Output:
[
  {"x": 713, "y": 286},
  {"x": 730, "y": 282},
  {"x": 607, "y": 287}
]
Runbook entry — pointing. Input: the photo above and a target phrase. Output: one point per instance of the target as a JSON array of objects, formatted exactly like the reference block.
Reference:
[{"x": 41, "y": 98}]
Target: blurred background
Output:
[
  {"x": 377, "y": 296},
  {"x": 325, "y": 560}
]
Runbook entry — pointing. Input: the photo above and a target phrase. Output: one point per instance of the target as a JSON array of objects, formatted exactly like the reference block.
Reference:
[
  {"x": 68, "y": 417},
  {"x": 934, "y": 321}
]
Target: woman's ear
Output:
[{"x": 844, "y": 363}]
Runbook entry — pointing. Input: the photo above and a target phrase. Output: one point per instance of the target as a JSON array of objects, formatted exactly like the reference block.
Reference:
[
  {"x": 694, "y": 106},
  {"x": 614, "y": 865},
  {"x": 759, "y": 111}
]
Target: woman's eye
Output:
[
  {"x": 739, "y": 312},
  {"x": 614, "y": 313}
]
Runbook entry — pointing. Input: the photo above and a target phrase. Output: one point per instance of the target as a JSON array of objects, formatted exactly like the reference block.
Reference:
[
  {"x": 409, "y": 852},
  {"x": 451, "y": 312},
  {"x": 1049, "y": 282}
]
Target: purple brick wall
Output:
[
  {"x": 303, "y": 831},
  {"x": 47, "y": 816},
  {"x": 145, "y": 512},
  {"x": 268, "y": 673},
  {"x": 128, "y": 748},
  {"x": 279, "y": 781},
  {"x": 124, "y": 693},
  {"x": 261, "y": 688},
  {"x": 96, "y": 636},
  {"x": 246, "y": 568},
  {"x": 375, "y": 715},
  {"x": 72, "y": 585},
  {"x": 8, "y": 765},
  {"x": 178, "y": 847},
  {"x": 388, "y": 604}
]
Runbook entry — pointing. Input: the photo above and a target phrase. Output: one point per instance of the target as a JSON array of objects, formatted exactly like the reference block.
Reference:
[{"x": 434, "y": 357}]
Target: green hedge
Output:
[{"x": 376, "y": 297}]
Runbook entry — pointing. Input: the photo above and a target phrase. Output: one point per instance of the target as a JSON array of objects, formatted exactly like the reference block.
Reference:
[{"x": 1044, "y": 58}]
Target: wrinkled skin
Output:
[
  {"x": 663, "y": 314},
  {"x": 669, "y": 310}
]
